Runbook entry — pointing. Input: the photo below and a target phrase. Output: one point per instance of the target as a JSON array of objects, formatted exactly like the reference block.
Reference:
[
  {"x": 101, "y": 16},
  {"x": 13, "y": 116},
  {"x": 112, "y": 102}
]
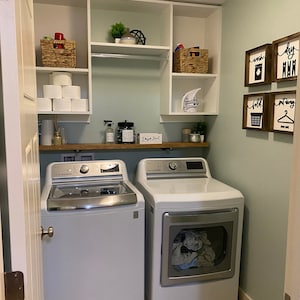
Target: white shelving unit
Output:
[
  {"x": 165, "y": 23},
  {"x": 69, "y": 17},
  {"x": 195, "y": 25}
]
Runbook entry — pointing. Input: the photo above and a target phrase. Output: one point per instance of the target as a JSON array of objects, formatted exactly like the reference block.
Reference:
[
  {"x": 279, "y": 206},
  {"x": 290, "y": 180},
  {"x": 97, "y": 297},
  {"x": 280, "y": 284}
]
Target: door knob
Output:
[{"x": 47, "y": 232}]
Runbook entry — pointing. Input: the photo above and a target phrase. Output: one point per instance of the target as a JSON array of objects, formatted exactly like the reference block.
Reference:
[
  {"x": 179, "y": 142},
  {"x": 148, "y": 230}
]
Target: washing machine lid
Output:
[{"x": 80, "y": 195}]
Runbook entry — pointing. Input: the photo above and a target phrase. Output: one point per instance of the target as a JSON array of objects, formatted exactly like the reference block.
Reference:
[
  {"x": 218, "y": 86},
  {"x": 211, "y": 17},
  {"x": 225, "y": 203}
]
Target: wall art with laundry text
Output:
[
  {"x": 283, "y": 111},
  {"x": 258, "y": 65},
  {"x": 285, "y": 58},
  {"x": 256, "y": 110}
]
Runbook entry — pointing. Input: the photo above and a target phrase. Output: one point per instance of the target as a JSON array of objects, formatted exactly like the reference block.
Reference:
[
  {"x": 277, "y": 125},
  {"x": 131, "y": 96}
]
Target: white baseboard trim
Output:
[{"x": 243, "y": 295}]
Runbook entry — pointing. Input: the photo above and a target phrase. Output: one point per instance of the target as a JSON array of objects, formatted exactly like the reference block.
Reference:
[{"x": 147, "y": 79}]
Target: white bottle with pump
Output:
[{"x": 109, "y": 132}]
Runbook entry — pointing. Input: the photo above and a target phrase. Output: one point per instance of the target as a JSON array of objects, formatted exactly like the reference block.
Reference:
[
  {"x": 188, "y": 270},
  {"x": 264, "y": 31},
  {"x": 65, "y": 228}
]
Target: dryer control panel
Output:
[{"x": 188, "y": 167}]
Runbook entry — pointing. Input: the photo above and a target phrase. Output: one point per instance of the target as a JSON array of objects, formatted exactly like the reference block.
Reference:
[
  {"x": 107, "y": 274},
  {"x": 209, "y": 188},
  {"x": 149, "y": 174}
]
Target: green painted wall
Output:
[{"x": 257, "y": 163}]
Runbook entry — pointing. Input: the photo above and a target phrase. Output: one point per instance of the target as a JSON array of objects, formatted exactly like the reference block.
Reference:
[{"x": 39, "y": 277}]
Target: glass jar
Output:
[
  {"x": 57, "y": 140},
  {"x": 125, "y": 133}
]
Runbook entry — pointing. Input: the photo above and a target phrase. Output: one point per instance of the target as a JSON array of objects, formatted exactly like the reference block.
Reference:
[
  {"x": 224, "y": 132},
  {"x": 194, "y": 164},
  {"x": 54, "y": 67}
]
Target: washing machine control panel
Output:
[{"x": 88, "y": 169}]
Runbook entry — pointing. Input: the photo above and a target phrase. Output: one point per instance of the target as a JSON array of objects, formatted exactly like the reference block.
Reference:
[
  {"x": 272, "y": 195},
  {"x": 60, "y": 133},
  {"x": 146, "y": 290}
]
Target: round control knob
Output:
[
  {"x": 84, "y": 169},
  {"x": 173, "y": 165}
]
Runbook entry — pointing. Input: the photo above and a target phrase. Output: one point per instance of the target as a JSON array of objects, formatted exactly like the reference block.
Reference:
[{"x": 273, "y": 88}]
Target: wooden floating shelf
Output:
[{"x": 94, "y": 147}]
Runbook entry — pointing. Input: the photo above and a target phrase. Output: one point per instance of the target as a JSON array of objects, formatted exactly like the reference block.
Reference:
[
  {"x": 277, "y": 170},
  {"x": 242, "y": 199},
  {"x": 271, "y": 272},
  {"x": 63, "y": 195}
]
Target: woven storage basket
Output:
[
  {"x": 191, "y": 60},
  {"x": 58, "y": 53}
]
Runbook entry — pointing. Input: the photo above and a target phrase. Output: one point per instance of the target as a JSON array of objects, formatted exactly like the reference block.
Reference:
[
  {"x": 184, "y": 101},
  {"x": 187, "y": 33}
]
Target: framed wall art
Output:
[
  {"x": 256, "y": 111},
  {"x": 258, "y": 64},
  {"x": 285, "y": 58},
  {"x": 283, "y": 111}
]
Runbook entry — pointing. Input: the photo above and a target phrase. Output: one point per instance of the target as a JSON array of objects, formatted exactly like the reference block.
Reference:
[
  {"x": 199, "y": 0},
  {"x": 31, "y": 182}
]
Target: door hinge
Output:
[
  {"x": 287, "y": 296},
  {"x": 14, "y": 285}
]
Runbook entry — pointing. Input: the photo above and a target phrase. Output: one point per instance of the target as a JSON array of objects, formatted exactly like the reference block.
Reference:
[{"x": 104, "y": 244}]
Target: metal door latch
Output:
[
  {"x": 47, "y": 232},
  {"x": 14, "y": 285}
]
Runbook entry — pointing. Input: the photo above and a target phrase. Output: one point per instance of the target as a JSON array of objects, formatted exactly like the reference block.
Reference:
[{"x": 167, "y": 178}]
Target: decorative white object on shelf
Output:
[
  {"x": 190, "y": 102},
  {"x": 150, "y": 138}
]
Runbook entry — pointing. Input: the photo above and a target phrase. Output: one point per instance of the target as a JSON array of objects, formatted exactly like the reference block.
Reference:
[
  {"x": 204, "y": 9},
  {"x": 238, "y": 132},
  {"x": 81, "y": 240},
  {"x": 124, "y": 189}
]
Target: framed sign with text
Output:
[
  {"x": 256, "y": 111},
  {"x": 285, "y": 58},
  {"x": 258, "y": 64},
  {"x": 283, "y": 111}
]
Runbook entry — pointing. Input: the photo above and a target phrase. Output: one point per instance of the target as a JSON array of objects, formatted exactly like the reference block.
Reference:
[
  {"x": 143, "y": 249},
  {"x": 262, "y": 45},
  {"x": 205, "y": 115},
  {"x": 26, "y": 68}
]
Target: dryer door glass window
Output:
[{"x": 198, "y": 246}]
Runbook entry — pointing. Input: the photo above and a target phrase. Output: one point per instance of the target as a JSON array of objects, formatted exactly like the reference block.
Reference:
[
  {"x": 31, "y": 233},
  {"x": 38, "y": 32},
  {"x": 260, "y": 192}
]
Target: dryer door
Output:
[{"x": 198, "y": 246}]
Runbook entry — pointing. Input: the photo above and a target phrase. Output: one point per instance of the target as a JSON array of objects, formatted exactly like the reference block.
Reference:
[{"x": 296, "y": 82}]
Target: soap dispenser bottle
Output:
[{"x": 109, "y": 132}]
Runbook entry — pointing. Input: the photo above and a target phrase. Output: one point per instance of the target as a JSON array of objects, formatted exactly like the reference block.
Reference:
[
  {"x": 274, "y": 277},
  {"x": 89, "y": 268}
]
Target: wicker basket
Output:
[
  {"x": 191, "y": 60},
  {"x": 58, "y": 53}
]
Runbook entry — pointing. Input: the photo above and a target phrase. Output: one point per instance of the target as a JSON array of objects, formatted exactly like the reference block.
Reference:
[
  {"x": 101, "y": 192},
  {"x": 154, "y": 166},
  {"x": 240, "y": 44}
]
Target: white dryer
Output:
[
  {"x": 97, "y": 250},
  {"x": 193, "y": 231}
]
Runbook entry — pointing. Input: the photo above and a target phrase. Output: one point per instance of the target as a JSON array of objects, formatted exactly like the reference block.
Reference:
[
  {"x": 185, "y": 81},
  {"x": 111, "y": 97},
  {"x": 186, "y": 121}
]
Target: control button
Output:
[
  {"x": 84, "y": 169},
  {"x": 173, "y": 165}
]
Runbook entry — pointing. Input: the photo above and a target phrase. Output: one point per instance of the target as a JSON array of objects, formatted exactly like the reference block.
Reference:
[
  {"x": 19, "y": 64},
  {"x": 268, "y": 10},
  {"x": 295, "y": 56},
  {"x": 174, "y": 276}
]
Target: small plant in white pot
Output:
[
  {"x": 117, "y": 30},
  {"x": 202, "y": 130}
]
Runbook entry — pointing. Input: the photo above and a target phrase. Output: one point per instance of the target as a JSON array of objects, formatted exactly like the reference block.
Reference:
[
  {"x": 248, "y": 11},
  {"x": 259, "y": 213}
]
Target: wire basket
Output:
[
  {"x": 58, "y": 53},
  {"x": 191, "y": 60},
  {"x": 256, "y": 119}
]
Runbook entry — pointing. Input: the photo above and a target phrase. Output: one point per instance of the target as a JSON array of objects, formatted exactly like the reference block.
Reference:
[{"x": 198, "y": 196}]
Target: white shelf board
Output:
[
  {"x": 193, "y": 75},
  {"x": 55, "y": 69},
  {"x": 146, "y": 50}
]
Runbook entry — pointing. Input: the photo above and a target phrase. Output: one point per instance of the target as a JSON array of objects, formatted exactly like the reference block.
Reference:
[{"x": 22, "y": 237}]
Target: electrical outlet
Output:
[
  {"x": 68, "y": 157},
  {"x": 85, "y": 156}
]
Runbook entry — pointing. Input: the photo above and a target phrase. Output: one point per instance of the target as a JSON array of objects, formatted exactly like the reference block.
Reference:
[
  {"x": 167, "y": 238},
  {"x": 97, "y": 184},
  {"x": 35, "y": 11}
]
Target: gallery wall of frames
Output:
[{"x": 273, "y": 62}]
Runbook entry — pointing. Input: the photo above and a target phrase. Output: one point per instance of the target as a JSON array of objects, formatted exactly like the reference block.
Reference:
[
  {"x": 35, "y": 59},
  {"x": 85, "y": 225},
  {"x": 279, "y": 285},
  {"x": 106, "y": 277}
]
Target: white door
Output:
[
  {"x": 292, "y": 269},
  {"x": 21, "y": 142}
]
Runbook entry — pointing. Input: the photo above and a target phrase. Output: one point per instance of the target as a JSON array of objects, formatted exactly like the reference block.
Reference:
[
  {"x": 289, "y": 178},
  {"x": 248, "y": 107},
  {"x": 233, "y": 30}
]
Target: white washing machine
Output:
[
  {"x": 193, "y": 231},
  {"x": 97, "y": 249}
]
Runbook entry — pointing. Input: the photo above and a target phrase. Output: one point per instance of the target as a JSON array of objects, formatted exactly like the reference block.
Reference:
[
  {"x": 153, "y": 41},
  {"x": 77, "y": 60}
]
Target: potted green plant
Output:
[
  {"x": 117, "y": 30},
  {"x": 199, "y": 131}
]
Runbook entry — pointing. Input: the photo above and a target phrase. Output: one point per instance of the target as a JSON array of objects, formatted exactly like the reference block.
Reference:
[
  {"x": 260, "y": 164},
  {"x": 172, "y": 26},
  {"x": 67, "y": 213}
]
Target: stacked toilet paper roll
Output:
[
  {"x": 60, "y": 78},
  {"x": 79, "y": 105},
  {"x": 61, "y": 96},
  {"x": 44, "y": 104},
  {"x": 52, "y": 91},
  {"x": 47, "y": 132},
  {"x": 71, "y": 91},
  {"x": 62, "y": 104}
]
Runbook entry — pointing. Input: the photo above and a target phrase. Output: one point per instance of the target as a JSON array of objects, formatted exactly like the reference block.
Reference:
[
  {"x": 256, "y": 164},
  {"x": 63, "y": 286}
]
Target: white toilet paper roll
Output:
[
  {"x": 47, "y": 131},
  {"x": 44, "y": 104},
  {"x": 63, "y": 104},
  {"x": 79, "y": 105},
  {"x": 71, "y": 91},
  {"x": 60, "y": 78},
  {"x": 52, "y": 91}
]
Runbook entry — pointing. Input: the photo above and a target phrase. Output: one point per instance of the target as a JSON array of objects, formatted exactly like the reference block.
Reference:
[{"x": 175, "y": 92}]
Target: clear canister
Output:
[{"x": 125, "y": 133}]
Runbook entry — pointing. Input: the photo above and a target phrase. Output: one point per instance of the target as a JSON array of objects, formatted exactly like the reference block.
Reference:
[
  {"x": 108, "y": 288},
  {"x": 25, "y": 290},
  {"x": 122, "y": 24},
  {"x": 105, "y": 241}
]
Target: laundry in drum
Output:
[{"x": 192, "y": 249}]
